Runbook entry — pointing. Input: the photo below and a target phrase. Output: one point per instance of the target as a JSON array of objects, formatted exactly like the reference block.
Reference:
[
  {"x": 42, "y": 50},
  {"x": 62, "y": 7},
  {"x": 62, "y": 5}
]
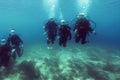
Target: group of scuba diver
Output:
[
  {"x": 10, "y": 48},
  {"x": 13, "y": 46},
  {"x": 81, "y": 28}
]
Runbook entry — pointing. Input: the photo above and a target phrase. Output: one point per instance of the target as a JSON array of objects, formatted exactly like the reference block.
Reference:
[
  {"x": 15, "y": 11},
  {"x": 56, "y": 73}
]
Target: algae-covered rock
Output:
[
  {"x": 28, "y": 70},
  {"x": 112, "y": 67},
  {"x": 95, "y": 73}
]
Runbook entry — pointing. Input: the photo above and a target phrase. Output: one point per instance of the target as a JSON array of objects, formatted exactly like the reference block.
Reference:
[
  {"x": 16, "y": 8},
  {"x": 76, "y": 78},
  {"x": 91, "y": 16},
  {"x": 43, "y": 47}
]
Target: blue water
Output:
[{"x": 28, "y": 17}]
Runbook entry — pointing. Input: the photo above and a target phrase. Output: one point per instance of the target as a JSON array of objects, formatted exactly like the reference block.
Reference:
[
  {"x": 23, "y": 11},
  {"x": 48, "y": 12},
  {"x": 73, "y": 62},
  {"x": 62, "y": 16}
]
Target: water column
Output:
[
  {"x": 50, "y": 7},
  {"x": 61, "y": 14},
  {"x": 83, "y": 6}
]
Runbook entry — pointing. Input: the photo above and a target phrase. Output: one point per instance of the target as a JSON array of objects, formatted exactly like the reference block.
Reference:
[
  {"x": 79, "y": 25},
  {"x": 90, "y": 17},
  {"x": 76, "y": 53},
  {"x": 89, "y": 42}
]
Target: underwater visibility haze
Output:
[{"x": 99, "y": 59}]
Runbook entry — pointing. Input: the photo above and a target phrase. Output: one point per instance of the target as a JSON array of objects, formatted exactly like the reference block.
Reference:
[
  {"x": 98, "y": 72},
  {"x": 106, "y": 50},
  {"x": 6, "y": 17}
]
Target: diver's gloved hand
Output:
[
  {"x": 58, "y": 37},
  {"x": 94, "y": 32},
  {"x": 13, "y": 50},
  {"x": 75, "y": 30}
]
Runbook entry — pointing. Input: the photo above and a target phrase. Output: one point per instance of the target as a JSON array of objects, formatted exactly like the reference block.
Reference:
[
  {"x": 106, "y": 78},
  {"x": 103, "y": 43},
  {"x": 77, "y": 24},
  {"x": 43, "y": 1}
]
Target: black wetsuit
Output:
[
  {"x": 14, "y": 41},
  {"x": 4, "y": 55},
  {"x": 82, "y": 28},
  {"x": 51, "y": 30},
  {"x": 64, "y": 34}
]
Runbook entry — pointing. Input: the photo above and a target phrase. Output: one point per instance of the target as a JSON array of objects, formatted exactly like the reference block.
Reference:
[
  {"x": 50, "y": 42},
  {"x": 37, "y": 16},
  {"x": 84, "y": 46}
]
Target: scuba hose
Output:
[
  {"x": 93, "y": 28},
  {"x": 93, "y": 23}
]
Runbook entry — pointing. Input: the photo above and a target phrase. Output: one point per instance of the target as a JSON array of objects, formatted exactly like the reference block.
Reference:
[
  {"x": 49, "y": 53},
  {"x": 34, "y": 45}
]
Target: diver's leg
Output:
[
  {"x": 84, "y": 38},
  {"x": 6, "y": 60},
  {"x": 53, "y": 39},
  {"x": 64, "y": 42},
  {"x": 48, "y": 38}
]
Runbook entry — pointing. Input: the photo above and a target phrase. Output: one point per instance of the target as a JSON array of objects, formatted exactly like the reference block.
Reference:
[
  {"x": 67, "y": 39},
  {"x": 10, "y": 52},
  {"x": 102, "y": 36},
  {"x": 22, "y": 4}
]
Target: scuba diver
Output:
[
  {"x": 51, "y": 31},
  {"x": 64, "y": 33},
  {"x": 5, "y": 52},
  {"x": 15, "y": 43},
  {"x": 82, "y": 28}
]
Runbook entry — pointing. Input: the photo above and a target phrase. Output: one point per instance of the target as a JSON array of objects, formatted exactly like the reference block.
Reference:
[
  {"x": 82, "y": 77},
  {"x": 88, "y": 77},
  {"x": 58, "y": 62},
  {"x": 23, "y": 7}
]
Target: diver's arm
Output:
[
  {"x": 19, "y": 39},
  {"x": 21, "y": 45},
  {"x": 92, "y": 30},
  {"x": 75, "y": 27}
]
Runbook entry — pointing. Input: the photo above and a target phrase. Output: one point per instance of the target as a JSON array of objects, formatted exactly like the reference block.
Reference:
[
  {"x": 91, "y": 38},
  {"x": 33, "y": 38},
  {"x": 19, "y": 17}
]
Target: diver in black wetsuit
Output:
[
  {"x": 5, "y": 51},
  {"x": 51, "y": 31},
  {"x": 64, "y": 33},
  {"x": 15, "y": 43},
  {"x": 82, "y": 28}
]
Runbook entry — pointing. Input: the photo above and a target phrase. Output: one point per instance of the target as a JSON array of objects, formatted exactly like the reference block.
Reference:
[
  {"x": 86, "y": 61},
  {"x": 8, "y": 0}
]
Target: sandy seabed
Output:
[{"x": 75, "y": 62}]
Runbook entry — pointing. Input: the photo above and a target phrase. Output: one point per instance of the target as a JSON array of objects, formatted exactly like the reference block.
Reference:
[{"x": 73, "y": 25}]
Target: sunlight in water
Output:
[
  {"x": 83, "y": 5},
  {"x": 61, "y": 15},
  {"x": 50, "y": 7}
]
